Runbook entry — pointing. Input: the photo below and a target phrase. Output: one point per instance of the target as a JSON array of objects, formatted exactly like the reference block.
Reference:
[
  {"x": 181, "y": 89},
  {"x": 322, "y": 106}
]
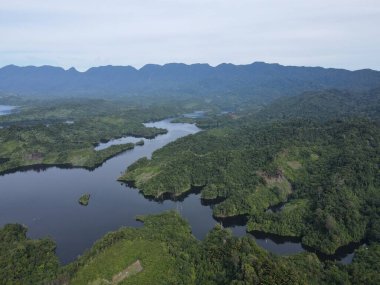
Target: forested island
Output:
[
  {"x": 84, "y": 199},
  {"x": 303, "y": 164},
  {"x": 40, "y": 134}
]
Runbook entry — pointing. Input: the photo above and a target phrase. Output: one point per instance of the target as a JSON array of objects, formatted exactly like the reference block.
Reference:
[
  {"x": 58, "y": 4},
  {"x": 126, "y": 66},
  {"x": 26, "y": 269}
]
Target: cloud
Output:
[{"x": 339, "y": 33}]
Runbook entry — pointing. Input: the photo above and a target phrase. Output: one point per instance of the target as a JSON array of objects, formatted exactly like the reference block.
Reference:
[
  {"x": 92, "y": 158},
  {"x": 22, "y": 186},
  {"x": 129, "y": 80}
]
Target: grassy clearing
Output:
[
  {"x": 155, "y": 259},
  {"x": 293, "y": 161},
  {"x": 294, "y": 164}
]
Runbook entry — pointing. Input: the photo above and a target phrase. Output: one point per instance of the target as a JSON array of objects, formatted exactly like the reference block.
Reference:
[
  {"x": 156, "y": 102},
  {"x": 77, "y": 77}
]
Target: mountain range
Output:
[{"x": 258, "y": 80}]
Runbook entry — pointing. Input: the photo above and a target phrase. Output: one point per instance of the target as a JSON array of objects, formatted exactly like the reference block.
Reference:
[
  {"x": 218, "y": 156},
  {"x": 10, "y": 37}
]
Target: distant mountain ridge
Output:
[{"x": 258, "y": 80}]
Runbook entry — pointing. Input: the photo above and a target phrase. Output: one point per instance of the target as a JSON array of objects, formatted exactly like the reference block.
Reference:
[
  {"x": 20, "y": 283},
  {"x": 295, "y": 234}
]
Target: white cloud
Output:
[{"x": 339, "y": 33}]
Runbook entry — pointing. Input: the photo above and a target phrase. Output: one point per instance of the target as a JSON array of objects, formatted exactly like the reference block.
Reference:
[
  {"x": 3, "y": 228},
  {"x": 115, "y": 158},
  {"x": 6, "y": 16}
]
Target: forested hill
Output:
[
  {"x": 325, "y": 105},
  {"x": 259, "y": 80},
  {"x": 316, "y": 155}
]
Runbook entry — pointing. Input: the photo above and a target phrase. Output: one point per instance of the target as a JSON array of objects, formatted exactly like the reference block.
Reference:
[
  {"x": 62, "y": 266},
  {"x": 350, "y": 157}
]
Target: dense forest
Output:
[
  {"x": 325, "y": 105},
  {"x": 23, "y": 260},
  {"x": 324, "y": 173}
]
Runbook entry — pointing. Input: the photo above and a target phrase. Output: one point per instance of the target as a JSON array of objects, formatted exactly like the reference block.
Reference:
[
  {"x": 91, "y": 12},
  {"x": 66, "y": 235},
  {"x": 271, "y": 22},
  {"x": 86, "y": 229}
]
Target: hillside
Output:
[
  {"x": 325, "y": 105},
  {"x": 318, "y": 159}
]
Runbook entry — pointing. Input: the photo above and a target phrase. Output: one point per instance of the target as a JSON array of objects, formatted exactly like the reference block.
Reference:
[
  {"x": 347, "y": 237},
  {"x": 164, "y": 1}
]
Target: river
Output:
[{"x": 46, "y": 201}]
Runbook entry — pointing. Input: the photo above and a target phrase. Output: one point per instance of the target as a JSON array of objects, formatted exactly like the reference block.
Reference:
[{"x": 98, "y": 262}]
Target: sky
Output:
[{"x": 86, "y": 33}]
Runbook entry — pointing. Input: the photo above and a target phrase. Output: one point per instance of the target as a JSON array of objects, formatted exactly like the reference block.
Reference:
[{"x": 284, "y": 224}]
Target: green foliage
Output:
[
  {"x": 364, "y": 268},
  {"x": 158, "y": 245},
  {"x": 158, "y": 265},
  {"x": 228, "y": 260},
  {"x": 324, "y": 172},
  {"x": 325, "y": 105},
  {"x": 169, "y": 254},
  {"x": 84, "y": 199},
  {"x": 24, "y": 261},
  {"x": 332, "y": 167},
  {"x": 289, "y": 221},
  {"x": 41, "y": 135}
]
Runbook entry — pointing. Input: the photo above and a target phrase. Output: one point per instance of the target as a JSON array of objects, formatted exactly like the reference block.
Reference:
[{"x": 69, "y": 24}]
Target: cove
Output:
[{"x": 46, "y": 201}]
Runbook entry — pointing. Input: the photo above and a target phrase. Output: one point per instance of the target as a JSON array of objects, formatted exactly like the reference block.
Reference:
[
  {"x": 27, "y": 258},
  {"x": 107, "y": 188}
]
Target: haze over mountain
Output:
[
  {"x": 261, "y": 80},
  {"x": 324, "y": 105}
]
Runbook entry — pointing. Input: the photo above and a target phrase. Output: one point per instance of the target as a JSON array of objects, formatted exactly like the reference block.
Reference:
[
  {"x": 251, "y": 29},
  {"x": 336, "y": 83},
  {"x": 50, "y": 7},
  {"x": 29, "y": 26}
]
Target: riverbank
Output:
[
  {"x": 250, "y": 170},
  {"x": 87, "y": 159}
]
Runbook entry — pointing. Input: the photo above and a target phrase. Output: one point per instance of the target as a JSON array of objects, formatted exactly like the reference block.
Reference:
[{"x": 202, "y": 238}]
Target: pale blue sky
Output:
[{"x": 329, "y": 33}]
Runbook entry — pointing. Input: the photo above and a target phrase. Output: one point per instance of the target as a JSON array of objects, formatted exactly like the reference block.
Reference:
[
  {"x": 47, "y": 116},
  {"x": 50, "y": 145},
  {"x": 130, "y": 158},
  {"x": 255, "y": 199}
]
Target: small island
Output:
[
  {"x": 140, "y": 143},
  {"x": 84, "y": 199}
]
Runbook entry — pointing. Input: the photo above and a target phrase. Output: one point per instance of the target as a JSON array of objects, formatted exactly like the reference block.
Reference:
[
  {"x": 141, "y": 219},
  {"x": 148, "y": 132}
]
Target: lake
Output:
[
  {"x": 195, "y": 115},
  {"x": 6, "y": 110},
  {"x": 46, "y": 201}
]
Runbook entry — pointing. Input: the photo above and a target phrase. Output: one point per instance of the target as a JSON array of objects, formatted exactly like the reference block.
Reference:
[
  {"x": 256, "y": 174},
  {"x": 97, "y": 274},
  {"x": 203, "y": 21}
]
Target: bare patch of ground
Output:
[
  {"x": 35, "y": 156},
  {"x": 276, "y": 180},
  {"x": 294, "y": 164},
  {"x": 132, "y": 269},
  {"x": 144, "y": 177}
]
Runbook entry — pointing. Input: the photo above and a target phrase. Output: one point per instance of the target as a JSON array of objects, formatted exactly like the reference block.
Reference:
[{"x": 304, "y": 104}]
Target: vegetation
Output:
[
  {"x": 325, "y": 105},
  {"x": 65, "y": 132},
  {"x": 326, "y": 173},
  {"x": 317, "y": 155},
  {"x": 363, "y": 269},
  {"x": 167, "y": 253},
  {"x": 25, "y": 261},
  {"x": 84, "y": 199},
  {"x": 151, "y": 245}
]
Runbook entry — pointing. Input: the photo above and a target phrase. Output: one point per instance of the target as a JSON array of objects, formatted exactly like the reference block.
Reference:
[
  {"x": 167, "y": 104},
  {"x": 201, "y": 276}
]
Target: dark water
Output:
[
  {"x": 6, "y": 110},
  {"x": 291, "y": 245},
  {"x": 119, "y": 141},
  {"x": 47, "y": 202}
]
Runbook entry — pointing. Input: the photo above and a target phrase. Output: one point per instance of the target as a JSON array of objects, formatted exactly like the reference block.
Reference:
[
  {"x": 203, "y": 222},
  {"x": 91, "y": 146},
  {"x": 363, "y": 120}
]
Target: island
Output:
[{"x": 84, "y": 199}]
